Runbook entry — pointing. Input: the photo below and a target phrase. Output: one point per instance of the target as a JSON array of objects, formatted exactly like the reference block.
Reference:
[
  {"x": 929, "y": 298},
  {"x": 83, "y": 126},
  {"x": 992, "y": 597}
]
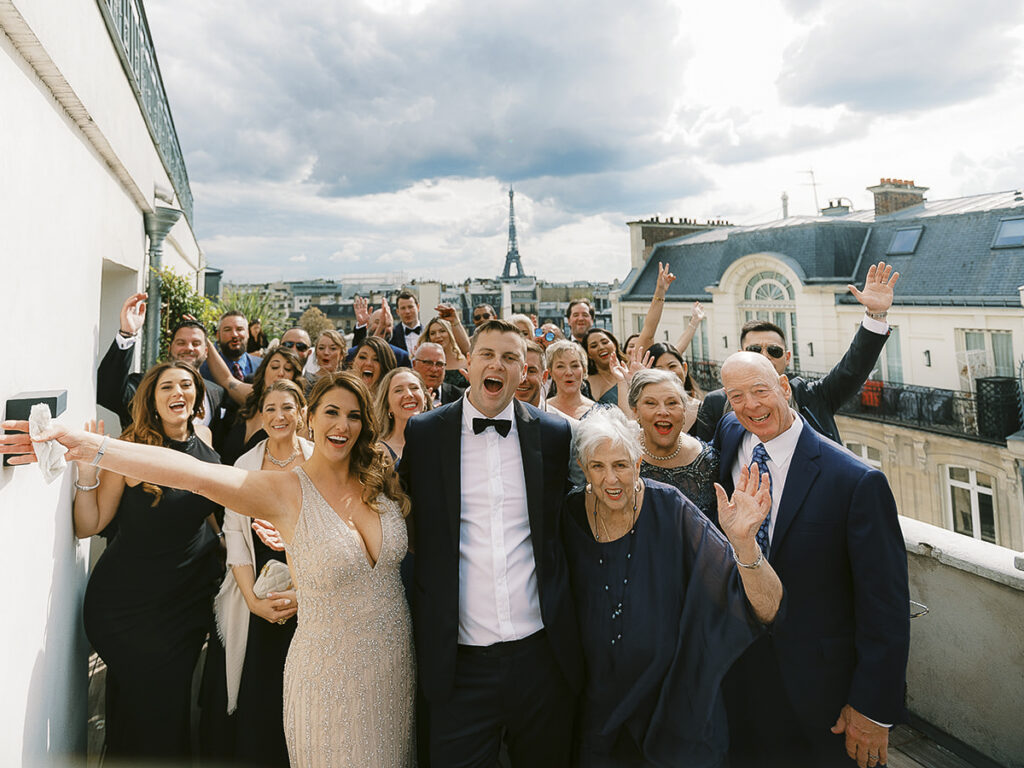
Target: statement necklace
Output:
[
  {"x": 616, "y": 607},
  {"x": 278, "y": 462},
  {"x": 679, "y": 447}
]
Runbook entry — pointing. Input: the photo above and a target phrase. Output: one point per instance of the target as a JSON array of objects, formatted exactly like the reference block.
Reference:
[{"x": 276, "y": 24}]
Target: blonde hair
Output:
[
  {"x": 382, "y": 410},
  {"x": 565, "y": 347},
  {"x": 452, "y": 346}
]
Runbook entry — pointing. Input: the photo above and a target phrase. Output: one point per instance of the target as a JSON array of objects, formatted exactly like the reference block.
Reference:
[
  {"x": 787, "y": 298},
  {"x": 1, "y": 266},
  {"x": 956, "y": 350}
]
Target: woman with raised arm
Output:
[
  {"x": 400, "y": 396},
  {"x": 662, "y": 606},
  {"x": 148, "y": 602},
  {"x": 567, "y": 363},
  {"x": 439, "y": 331},
  {"x": 256, "y": 631},
  {"x": 248, "y": 430},
  {"x": 349, "y": 680},
  {"x": 604, "y": 353}
]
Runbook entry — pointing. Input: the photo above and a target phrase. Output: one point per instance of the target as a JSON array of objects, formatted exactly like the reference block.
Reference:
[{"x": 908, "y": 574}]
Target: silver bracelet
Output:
[
  {"x": 92, "y": 487},
  {"x": 877, "y": 315},
  {"x": 755, "y": 564},
  {"x": 99, "y": 454}
]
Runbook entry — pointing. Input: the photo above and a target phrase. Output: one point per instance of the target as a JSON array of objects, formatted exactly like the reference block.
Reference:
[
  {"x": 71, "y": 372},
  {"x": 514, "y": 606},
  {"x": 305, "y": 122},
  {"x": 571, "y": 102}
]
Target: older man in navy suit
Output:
[
  {"x": 496, "y": 637},
  {"x": 828, "y": 680}
]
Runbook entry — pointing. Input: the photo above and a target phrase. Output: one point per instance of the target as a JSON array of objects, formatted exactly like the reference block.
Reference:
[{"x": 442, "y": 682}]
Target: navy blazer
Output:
[
  {"x": 838, "y": 550},
  {"x": 430, "y": 470},
  {"x": 817, "y": 400}
]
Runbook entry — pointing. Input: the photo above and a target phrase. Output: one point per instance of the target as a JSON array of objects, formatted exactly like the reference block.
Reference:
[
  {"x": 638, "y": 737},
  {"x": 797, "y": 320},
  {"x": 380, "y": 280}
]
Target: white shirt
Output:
[
  {"x": 412, "y": 338},
  {"x": 780, "y": 453},
  {"x": 498, "y": 597},
  {"x": 123, "y": 343}
]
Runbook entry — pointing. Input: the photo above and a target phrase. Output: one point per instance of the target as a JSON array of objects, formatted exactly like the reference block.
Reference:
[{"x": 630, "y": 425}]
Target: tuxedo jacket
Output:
[
  {"x": 838, "y": 549},
  {"x": 431, "y": 473},
  {"x": 817, "y": 401},
  {"x": 116, "y": 385},
  {"x": 450, "y": 393}
]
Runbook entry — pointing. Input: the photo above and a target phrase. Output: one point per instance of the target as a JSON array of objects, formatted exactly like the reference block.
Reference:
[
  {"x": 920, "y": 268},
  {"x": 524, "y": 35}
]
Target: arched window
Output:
[{"x": 769, "y": 296}]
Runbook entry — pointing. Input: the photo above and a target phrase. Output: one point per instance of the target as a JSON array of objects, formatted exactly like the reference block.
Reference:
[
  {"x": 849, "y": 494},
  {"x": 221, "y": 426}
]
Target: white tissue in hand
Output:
[{"x": 50, "y": 453}]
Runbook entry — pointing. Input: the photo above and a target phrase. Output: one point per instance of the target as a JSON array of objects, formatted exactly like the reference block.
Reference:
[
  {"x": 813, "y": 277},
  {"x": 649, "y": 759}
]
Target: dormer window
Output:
[
  {"x": 904, "y": 241},
  {"x": 1010, "y": 234}
]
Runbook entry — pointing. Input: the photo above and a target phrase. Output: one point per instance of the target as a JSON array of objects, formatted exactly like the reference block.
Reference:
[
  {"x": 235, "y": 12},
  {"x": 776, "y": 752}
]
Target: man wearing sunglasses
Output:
[
  {"x": 817, "y": 401},
  {"x": 297, "y": 340}
]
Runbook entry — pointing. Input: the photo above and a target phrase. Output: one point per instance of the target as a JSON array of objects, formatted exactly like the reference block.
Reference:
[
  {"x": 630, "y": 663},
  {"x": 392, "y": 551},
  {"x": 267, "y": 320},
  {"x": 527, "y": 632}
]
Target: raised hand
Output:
[
  {"x": 741, "y": 516},
  {"x": 878, "y": 288},
  {"x": 665, "y": 279},
  {"x": 269, "y": 535},
  {"x": 447, "y": 312},
  {"x": 133, "y": 313},
  {"x": 361, "y": 307},
  {"x": 697, "y": 314},
  {"x": 619, "y": 370},
  {"x": 639, "y": 359}
]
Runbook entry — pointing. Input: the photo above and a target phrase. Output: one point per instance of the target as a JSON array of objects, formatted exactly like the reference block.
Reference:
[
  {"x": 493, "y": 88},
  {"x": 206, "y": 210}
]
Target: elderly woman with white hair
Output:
[
  {"x": 665, "y": 603},
  {"x": 658, "y": 401}
]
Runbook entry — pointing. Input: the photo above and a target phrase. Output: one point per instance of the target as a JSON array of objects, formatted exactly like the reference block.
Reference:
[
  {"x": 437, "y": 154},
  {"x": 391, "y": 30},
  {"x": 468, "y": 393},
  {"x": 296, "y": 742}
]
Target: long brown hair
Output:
[
  {"x": 369, "y": 460},
  {"x": 385, "y": 355},
  {"x": 146, "y": 427},
  {"x": 254, "y": 400}
]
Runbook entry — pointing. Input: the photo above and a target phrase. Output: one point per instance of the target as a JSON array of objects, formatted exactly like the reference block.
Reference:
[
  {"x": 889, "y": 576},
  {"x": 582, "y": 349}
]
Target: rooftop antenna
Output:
[{"x": 814, "y": 185}]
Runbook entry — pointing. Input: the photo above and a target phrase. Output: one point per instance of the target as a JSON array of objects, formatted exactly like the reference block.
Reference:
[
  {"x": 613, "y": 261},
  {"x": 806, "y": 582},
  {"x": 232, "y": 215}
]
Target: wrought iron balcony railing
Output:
[{"x": 129, "y": 31}]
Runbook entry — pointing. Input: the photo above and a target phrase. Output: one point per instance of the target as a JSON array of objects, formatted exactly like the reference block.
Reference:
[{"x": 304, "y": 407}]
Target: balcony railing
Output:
[
  {"x": 129, "y": 31},
  {"x": 987, "y": 419}
]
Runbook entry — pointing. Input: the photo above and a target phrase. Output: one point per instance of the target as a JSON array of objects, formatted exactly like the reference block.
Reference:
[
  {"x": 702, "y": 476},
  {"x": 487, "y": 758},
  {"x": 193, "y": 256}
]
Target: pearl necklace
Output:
[
  {"x": 679, "y": 447},
  {"x": 278, "y": 462}
]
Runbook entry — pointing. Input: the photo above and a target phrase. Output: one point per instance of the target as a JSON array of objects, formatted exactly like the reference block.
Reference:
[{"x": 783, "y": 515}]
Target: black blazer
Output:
[
  {"x": 430, "y": 472},
  {"x": 838, "y": 549},
  {"x": 817, "y": 401},
  {"x": 450, "y": 393},
  {"x": 401, "y": 356},
  {"x": 116, "y": 385}
]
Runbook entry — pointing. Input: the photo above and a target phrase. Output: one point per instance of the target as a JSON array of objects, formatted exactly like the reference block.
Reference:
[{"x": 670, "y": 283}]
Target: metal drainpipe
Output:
[{"x": 158, "y": 224}]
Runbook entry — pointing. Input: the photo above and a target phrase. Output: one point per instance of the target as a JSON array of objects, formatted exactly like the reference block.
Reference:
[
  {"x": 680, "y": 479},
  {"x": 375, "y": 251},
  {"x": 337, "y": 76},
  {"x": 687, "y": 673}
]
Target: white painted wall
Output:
[{"x": 72, "y": 233}]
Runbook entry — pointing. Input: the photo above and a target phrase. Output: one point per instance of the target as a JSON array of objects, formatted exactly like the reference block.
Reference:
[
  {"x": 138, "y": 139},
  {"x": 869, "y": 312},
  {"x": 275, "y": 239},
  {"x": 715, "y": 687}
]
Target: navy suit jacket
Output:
[
  {"x": 431, "y": 473},
  {"x": 838, "y": 550}
]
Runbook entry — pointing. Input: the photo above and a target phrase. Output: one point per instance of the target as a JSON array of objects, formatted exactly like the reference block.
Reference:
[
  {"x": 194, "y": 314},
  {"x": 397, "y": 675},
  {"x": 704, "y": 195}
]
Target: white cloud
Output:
[{"x": 300, "y": 259}]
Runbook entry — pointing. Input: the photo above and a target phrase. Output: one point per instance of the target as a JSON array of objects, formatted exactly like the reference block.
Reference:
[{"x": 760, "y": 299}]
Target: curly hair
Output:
[
  {"x": 146, "y": 427},
  {"x": 381, "y": 409},
  {"x": 254, "y": 400},
  {"x": 368, "y": 460}
]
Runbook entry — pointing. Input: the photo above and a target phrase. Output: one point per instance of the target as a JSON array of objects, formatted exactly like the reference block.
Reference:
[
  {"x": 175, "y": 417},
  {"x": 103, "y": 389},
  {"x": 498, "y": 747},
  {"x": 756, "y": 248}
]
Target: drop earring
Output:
[{"x": 589, "y": 488}]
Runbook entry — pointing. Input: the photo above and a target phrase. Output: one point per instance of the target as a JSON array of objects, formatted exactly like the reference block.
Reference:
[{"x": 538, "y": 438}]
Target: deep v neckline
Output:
[{"x": 353, "y": 529}]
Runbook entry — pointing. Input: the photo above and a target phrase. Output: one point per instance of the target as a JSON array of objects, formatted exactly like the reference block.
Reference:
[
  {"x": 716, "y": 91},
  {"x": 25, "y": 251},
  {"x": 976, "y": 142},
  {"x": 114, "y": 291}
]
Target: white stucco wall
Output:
[{"x": 71, "y": 233}]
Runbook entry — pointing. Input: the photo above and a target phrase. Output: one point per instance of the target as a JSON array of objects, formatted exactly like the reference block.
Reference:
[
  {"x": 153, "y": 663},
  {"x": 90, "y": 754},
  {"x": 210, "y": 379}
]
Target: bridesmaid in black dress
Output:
[{"x": 148, "y": 601}]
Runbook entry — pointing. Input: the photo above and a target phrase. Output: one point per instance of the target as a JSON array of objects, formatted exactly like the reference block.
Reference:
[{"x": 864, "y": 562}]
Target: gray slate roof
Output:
[{"x": 953, "y": 263}]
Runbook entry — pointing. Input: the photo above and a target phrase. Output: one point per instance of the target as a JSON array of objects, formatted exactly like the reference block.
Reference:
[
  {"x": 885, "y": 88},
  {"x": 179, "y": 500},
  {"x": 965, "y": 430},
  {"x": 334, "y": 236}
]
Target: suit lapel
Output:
[
  {"x": 731, "y": 433},
  {"x": 528, "y": 426},
  {"x": 451, "y": 467},
  {"x": 803, "y": 471}
]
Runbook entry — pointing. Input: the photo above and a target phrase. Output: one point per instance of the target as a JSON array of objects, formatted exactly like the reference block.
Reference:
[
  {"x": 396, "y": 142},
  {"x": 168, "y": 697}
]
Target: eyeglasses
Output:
[
  {"x": 773, "y": 350},
  {"x": 301, "y": 346},
  {"x": 430, "y": 363},
  {"x": 540, "y": 333}
]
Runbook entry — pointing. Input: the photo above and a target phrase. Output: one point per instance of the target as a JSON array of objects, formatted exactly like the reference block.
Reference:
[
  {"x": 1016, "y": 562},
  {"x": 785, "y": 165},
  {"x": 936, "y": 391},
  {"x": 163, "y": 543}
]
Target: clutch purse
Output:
[{"x": 274, "y": 577}]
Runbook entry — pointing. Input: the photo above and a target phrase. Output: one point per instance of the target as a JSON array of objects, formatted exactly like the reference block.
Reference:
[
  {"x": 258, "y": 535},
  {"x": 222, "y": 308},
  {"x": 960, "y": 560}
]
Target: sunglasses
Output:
[
  {"x": 540, "y": 333},
  {"x": 774, "y": 350},
  {"x": 485, "y": 316},
  {"x": 301, "y": 346}
]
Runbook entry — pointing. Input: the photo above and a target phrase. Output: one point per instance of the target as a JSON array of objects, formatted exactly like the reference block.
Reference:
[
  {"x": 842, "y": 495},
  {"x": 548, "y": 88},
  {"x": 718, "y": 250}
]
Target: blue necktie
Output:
[{"x": 760, "y": 457}]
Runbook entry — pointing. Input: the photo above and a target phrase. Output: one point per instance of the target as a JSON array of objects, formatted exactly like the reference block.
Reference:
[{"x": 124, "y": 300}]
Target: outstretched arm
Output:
[
  {"x": 740, "y": 517},
  {"x": 697, "y": 316},
  {"x": 665, "y": 279},
  {"x": 447, "y": 312},
  {"x": 269, "y": 495}
]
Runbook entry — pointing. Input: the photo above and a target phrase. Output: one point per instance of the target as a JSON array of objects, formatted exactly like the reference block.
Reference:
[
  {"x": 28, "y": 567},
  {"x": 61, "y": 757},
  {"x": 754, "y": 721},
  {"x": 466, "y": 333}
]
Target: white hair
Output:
[
  {"x": 643, "y": 379},
  {"x": 607, "y": 424}
]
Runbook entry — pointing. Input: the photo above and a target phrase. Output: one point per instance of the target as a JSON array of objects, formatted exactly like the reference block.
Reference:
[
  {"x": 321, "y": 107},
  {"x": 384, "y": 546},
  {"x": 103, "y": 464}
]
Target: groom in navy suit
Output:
[
  {"x": 824, "y": 685},
  {"x": 496, "y": 639}
]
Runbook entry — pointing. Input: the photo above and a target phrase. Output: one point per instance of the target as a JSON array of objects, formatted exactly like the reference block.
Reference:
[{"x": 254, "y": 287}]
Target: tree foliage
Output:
[
  {"x": 255, "y": 304},
  {"x": 315, "y": 322},
  {"x": 178, "y": 298}
]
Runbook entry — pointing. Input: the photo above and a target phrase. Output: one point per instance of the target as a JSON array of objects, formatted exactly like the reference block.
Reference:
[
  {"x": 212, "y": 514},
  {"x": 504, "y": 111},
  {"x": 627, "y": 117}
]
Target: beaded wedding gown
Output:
[{"x": 349, "y": 681}]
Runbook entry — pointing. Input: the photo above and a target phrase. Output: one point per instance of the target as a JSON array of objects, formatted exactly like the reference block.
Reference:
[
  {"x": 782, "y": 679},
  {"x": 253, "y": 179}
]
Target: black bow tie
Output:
[
  {"x": 501, "y": 426},
  {"x": 418, "y": 329}
]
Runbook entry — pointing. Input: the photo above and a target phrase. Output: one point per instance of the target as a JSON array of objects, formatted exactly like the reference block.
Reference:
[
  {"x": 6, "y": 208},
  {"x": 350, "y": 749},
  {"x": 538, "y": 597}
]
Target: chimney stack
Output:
[{"x": 893, "y": 195}]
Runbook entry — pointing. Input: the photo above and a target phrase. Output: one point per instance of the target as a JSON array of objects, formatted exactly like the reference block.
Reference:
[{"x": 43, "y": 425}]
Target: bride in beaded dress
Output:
[{"x": 349, "y": 687}]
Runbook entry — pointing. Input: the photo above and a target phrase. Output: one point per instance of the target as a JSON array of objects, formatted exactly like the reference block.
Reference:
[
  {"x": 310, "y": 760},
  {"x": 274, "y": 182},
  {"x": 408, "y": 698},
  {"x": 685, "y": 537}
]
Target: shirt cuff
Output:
[
  {"x": 123, "y": 343},
  {"x": 884, "y": 725},
  {"x": 875, "y": 326},
  {"x": 358, "y": 327}
]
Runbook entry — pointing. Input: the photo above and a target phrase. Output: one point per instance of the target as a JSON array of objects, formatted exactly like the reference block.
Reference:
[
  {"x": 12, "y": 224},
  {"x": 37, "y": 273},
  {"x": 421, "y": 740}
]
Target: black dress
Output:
[
  {"x": 148, "y": 608},
  {"x": 235, "y": 444},
  {"x": 695, "y": 480},
  {"x": 670, "y": 598},
  {"x": 259, "y": 719}
]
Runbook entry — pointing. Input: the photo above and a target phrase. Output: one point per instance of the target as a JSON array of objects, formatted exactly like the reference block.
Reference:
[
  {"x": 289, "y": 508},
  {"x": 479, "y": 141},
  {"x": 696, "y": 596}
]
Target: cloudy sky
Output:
[{"x": 332, "y": 137}]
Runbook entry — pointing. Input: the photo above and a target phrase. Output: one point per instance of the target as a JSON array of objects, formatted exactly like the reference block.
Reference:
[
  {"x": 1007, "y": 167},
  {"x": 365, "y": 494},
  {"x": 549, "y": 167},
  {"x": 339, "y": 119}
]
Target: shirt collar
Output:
[
  {"x": 780, "y": 448},
  {"x": 470, "y": 412}
]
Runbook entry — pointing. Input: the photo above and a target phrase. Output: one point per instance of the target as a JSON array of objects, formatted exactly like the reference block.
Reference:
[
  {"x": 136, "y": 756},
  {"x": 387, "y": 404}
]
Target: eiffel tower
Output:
[{"x": 512, "y": 257}]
